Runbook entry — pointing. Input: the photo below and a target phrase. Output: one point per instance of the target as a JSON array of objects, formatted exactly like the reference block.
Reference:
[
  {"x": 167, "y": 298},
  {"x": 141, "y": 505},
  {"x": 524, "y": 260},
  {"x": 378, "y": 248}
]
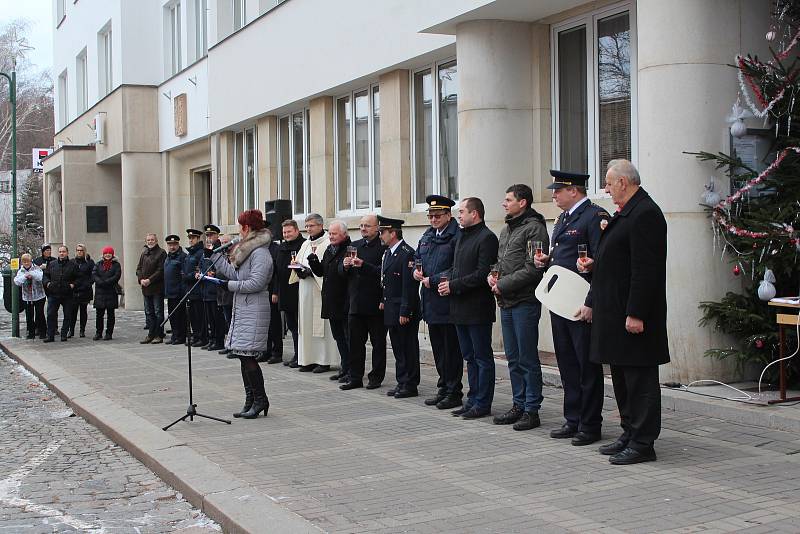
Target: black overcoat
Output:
[
  {"x": 335, "y": 300},
  {"x": 630, "y": 279},
  {"x": 105, "y": 284},
  {"x": 471, "y": 300}
]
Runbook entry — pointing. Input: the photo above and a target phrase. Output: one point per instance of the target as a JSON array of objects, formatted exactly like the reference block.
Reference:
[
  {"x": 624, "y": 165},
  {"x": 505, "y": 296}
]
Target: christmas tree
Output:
[{"x": 757, "y": 225}]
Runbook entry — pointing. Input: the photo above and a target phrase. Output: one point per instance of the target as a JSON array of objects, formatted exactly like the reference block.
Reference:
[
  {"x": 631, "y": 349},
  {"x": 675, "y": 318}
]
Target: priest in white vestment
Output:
[{"x": 316, "y": 348}]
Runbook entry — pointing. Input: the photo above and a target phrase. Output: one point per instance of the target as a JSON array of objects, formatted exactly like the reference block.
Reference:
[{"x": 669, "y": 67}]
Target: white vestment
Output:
[{"x": 315, "y": 343}]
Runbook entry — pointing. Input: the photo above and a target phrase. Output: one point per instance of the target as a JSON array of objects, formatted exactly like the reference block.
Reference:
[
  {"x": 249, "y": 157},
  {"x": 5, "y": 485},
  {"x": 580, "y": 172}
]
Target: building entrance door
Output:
[{"x": 201, "y": 198}]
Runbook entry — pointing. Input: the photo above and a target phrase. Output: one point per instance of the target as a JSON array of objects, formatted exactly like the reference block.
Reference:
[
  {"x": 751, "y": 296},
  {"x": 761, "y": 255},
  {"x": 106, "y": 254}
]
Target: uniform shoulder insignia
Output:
[{"x": 602, "y": 213}]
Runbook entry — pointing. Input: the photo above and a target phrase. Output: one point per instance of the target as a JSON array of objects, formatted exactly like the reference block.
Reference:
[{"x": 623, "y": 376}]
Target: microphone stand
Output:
[{"x": 191, "y": 411}]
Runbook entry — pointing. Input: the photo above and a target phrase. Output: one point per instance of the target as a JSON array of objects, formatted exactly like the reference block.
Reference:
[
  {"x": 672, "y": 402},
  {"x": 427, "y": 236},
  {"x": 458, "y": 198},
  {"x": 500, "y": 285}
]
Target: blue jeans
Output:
[
  {"x": 475, "y": 341},
  {"x": 521, "y": 341},
  {"x": 154, "y": 314}
]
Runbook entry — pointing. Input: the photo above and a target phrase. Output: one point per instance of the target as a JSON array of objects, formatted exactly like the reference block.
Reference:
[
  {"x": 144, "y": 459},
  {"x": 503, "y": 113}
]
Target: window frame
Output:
[
  {"x": 81, "y": 82},
  {"x": 590, "y": 20},
  {"x": 61, "y": 12},
  {"x": 200, "y": 29},
  {"x": 174, "y": 37},
  {"x": 244, "y": 131},
  {"x": 63, "y": 98},
  {"x": 371, "y": 143},
  {"x": 436, "y": 152},
  {"x": 306, "y": 111},
  {"x": 105, "y": 61},
  {"x": 242, "y": 22}
]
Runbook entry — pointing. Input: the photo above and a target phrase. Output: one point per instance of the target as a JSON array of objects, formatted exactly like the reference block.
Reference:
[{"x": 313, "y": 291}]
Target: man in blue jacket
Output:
[
  {"x": 435, "y": 256},
  {"x": 174, "y": 289},
  {"x": 191, "y": 265}
]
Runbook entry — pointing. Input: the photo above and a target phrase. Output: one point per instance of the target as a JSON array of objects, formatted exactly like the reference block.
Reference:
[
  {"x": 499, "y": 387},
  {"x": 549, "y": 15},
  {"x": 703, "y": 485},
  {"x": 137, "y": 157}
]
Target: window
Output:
[
  {"x": 105, "y": 61},
  {"x": 200, "y": 28},
  {"x": 173, "y": 38},
  {"x": 5, "y": 186},
  {"x": 63, "y": 115},
  {"x": 61, "y": 11},
  {"x": 593, "y": 92},
  {"x": 81, "y": 83},
  {"x": 358, "y": 150},
  {"x": 435, "y": 128},
  {"x": 96, "y": 219},
  {"x": 246, "y": 184},
  {"x": 239, "y": 14},
  {"x": 294, "y": 181}
]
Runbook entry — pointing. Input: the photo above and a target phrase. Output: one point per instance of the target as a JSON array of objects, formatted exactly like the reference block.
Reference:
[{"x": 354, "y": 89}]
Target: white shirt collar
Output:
[
  {"x": 391, "y": 250},
  {"x": 577, "y": 204}
]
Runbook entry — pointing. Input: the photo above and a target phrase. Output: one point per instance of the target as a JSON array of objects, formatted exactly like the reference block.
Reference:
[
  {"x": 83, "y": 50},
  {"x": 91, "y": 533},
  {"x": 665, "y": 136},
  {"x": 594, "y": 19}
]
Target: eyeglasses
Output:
[
  {"x": 367, "y": 225},
  {"x": 435, "y": 215}
]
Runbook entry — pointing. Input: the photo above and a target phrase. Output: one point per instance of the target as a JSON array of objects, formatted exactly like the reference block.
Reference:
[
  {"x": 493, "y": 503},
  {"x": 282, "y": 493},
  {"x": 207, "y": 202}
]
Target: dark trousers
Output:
[
  {"x": 639, "y": 401},
  {"x": 359, "y": 327},
  {"x": 34, "y": 317},
  {"x": 154, "y": 314},
  {"x": 405, "y": 347},
  {"x": 198, "y": 322},
  {"x": 275, "y": 336},
  {"x": 340, "y": 334},
  {"x": 53, "y": 303},
  {"x": 476, "y": 347},
  {"x": 291, "y": 325},
  {"x": 99, "y": 312},
  {"x": 582, "y": 380},
  {"x": 447, "y": 355},
  {"x": 223, "y": 323},
  {"x": 79, "y": 308},
  {"x": 177, "y": 319},
  {"x": 210, "y": 315}
]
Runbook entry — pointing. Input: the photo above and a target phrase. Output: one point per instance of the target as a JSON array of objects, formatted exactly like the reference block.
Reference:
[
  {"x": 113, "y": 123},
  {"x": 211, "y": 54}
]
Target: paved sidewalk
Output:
[{"x": 359, "y": 461}]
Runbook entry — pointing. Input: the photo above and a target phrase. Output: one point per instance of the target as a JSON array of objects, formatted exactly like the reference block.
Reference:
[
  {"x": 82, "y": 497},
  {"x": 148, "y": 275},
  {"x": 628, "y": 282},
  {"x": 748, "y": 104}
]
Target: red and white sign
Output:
[{"x": 39, "y": 155}]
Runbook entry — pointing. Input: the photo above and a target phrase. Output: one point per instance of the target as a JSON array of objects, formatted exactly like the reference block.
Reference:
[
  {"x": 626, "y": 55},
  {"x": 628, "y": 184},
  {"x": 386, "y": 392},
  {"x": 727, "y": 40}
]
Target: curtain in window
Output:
[{"x": 572, "y": 104}]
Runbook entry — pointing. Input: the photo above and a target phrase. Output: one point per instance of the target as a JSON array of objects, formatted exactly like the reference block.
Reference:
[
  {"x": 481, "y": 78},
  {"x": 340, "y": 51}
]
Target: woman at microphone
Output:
[{"x": 248, "y": 275}]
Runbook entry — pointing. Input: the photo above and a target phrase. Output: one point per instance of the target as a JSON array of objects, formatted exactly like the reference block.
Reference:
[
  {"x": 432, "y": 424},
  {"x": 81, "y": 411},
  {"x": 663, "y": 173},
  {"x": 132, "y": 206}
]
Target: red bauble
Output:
[
  {"x": 759, "y": 343},
  {"x": 737, "y": 270}
]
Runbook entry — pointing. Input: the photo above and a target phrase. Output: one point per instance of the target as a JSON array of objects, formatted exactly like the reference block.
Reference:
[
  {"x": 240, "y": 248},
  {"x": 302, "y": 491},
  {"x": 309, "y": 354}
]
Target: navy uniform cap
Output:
[
  {"x": 567, "y": 179},
  {"x": 439, "y": 202},
  {"x": 191, "y": 232},
  {"x": 385, "y": 223},
  {"x": 172, "y": 238},
  {"x": 211, "y": 228}
]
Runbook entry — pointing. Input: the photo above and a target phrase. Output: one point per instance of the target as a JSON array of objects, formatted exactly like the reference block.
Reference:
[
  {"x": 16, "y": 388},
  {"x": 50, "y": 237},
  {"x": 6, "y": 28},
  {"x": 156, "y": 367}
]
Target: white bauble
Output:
[
  {"x": 738, "y": 128},
  {"x": 766, "y": 290},
  {"x": 771, "y": 35}
]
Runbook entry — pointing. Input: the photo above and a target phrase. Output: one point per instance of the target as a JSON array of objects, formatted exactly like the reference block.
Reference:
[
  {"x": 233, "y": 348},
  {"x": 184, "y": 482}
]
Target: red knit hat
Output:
[{"x": 108, "y": 250}]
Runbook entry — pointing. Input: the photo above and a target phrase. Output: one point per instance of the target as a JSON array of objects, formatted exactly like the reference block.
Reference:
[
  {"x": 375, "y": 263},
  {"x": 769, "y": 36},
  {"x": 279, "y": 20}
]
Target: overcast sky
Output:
[{"x": 39, "y": 12}]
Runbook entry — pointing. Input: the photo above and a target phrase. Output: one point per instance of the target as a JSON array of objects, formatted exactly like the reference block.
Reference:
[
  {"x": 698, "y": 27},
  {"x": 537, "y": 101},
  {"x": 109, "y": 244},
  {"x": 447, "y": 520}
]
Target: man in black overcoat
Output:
[{"x": 629, "y": 311}]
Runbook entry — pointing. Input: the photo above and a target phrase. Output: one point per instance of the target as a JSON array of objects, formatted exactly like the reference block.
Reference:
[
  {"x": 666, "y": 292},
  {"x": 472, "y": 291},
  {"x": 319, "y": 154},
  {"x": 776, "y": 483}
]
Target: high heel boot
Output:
[
  {"x": 260, "y": 400},
  {"x": 248, "y": 394}
]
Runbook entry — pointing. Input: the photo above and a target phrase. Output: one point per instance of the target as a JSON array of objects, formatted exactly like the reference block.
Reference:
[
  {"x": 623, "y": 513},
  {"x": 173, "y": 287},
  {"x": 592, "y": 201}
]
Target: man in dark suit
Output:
[
  {"x": 174, "y": 289},
  {"x": 335, "y": 302},
  {"x": 400, "y": 306},
  {"x": 284, "y": 293},
  {"x": 366, "y": 316},
  {"x": 212, "y": 314},
  {"x": 580, "y": 224},
  {"x": 629, "y": 309},
  {"x": 191, "y": 266}
]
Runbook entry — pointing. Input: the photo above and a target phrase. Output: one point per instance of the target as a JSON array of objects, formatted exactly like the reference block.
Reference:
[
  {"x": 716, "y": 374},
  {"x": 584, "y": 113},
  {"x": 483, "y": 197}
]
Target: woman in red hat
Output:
[{"x": 106, "y": 275}]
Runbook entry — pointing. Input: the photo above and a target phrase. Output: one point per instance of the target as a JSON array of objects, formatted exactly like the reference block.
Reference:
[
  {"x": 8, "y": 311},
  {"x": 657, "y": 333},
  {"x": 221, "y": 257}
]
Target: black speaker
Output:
[{"x": 277, "y": 211}]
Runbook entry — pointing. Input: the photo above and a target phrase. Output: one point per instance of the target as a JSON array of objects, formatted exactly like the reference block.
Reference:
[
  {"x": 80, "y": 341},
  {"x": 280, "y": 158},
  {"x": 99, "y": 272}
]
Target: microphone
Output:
[{"x": 227, "y": 245}]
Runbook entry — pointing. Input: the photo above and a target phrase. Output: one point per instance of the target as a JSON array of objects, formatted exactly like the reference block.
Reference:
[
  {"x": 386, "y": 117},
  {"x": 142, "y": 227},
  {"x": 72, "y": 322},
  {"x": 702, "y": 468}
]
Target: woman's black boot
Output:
[
  {"x": 248, "y": 394},
  {"x": 260, "y": 400}
]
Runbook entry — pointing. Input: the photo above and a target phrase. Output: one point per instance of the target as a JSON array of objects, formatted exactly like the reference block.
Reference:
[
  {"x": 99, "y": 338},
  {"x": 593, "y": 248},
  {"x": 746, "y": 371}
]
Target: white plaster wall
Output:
[{"x": 196, "y": 103}]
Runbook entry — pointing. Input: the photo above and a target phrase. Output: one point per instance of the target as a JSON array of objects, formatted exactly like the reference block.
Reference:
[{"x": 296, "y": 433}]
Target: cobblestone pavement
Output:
[
  {"x": 360, "y": 461},
  {"x": 60, "y": 474}
]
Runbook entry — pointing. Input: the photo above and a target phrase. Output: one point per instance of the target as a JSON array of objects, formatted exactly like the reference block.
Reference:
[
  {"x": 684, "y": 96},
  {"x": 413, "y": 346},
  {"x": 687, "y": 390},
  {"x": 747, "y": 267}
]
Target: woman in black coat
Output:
[
  {"x": 106, "y": 277},
  {"x": 82, "y": 292}
]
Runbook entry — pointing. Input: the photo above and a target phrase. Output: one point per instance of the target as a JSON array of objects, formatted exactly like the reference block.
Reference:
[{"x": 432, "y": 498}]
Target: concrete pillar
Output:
[
  {"x": 395, "y": 142},
  {"x": 685, "y": 90},
  {"x": 222, "y": 178},
  {"x": 495, "y": 109},
  {"x": 141, "y": 213},
  {"x": 542, "y": 126},
  {"x": 320, "y": 152},
  {"x": 267, "y": 145}
]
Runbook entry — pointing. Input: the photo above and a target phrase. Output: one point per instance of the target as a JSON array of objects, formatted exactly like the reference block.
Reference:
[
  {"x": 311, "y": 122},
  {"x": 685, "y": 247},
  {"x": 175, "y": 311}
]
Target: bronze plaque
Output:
[{"x": 180, "y": 114}]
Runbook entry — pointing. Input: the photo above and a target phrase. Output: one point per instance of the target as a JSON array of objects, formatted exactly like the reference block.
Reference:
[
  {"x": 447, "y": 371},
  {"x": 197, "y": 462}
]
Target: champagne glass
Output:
[
  {"x": 443, "y": 278},
  {"x": 418, "y": 265},
  {"x": 352, "y": 252},
  {"x": 583, "y": 254},
  {"x": 494, "y": 270},
  {"x": 538, "y": 248},
  {"x": 313, "y": 249},
  {"x": 294, "y": 256}
]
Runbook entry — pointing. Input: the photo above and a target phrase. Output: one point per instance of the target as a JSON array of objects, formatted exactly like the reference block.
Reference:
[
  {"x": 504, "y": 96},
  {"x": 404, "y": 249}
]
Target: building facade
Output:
[{"x": 175, "y": 113}]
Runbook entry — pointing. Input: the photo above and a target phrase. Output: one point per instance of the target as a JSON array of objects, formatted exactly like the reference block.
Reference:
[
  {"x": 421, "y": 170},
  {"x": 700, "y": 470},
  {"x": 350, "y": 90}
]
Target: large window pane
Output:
[
  {"x": 307, "y": 163},
  {"x": 572, "y": 106},
  {"x": 423, "y": 135},
  {"x": 614, "y": 87},
  {"x": 376, "y": 143},
  {"x": 448, "y": 130},
  {"x": 297, "y": 156},
  {"x": 250, "y": 155},
  {"x": 239, "y": 170},
  {"x": 362, "y": 149},
  {"x": 284, "y": 183},
  {"x": 343, "y": 152}
]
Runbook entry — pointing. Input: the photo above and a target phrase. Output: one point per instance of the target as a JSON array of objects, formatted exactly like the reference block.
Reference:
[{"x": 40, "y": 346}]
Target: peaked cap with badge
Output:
[
  {"x": 439, "y": 203},
  {"x": 563, "y": 179}
]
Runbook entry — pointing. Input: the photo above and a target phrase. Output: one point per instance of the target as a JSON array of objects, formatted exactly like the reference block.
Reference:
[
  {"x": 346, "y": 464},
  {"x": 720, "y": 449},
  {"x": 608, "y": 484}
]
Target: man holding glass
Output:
[
  {"x": 513, "y": 281},
  {"x": 576, "y": 233}
]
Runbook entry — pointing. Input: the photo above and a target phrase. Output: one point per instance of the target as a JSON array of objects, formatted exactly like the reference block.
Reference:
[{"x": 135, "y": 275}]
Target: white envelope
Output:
[{"x": 567, "y": 294}]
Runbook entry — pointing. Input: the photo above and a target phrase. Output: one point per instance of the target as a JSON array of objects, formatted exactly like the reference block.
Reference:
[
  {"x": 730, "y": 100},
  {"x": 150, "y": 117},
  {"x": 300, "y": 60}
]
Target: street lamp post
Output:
[{"x": 12, "y": 89}]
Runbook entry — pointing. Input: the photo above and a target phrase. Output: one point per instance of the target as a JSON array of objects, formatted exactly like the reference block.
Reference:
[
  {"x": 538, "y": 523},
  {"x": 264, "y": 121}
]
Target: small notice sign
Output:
[{"x": 14, "y": 264}]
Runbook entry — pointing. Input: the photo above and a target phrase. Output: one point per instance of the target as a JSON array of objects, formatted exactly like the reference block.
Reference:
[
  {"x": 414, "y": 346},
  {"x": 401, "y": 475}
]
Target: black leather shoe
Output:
[
  {"x": 64, "y": 338},
  {"x": 198, "y": 343},
  {"x": 293, "y": 364},
  {"x": 564, "y": 432},
  {"x": 307, "y": 368},
  {"x": 405, "y": 393},
  {"x": 344, "y": 379},
  {"x": 436, "y": 399},
  {"x": 373, "y": 385},
  {"x": 30, "y": 336},
  {"x": 224, "y": 351},
  {"x": 585, "y": 438},
  {"x": 392, "y": 391},
  {"x": 336, "y": 376},
  {"x": 83, "y": 333},
  {"x": 632, "y": 456},
  {"x": 275, "y": 359},
  {"x": 464, "y": 409},
  {"x": 287, "y": 363},
  {"x": 528, "y": 421},
  {"x": 474, "y": 413},
  {"x": 614, "y": 448},
  {"x": 351, "y": 385},
  {"x": 215, "y": 347},
  {"x": 510, "y": 417},
  {"x": 321, "y": 369},
  {"x": 48, "y": 340},
  {"x": 231, "y": 356},
  {"x": 107, "y": 337},
  {"x": 449, "y": 402}
]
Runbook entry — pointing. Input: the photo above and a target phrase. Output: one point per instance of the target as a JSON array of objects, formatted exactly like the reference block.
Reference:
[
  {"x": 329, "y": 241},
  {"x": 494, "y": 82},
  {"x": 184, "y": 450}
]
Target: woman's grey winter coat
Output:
[{"x": 249, "y": 274}]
